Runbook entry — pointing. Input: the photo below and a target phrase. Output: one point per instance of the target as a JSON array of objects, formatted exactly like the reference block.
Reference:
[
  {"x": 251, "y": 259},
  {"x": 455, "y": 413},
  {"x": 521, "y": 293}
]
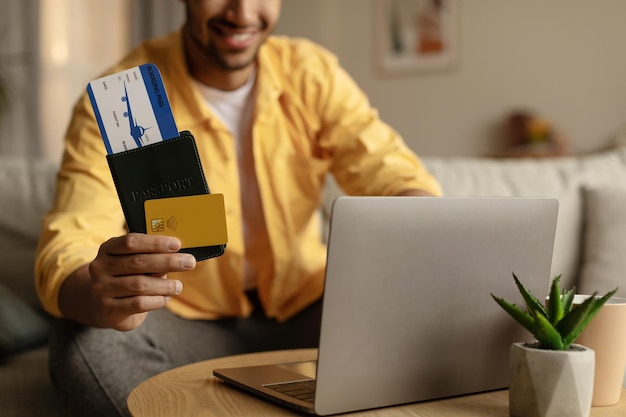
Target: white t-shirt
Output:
[{"x": 234, "y": 108}]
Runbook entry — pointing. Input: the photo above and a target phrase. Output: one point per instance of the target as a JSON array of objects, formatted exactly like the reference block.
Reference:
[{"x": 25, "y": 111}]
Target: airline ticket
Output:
[{"x": 132, "y": 108}]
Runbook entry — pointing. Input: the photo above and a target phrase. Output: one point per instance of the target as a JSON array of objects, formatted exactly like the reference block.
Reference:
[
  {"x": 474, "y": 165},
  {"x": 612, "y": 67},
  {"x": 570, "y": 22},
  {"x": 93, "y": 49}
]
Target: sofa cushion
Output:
[
  {"x": 27, "y": 192},
  {"x": 560, "y": 177},
  {"x": 21, "y": 327},
  {"x": 604, "y": 263}
]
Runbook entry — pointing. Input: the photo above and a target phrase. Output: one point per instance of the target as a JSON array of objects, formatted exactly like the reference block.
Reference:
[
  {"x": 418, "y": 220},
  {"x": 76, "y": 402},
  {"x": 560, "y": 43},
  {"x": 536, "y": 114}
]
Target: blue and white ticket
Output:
[{"x": 132, "y": 108}]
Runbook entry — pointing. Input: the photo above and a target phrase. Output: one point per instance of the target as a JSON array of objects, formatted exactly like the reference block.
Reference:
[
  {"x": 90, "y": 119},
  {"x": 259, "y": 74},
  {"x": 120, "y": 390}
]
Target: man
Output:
[{"x": 271, "y": 117}]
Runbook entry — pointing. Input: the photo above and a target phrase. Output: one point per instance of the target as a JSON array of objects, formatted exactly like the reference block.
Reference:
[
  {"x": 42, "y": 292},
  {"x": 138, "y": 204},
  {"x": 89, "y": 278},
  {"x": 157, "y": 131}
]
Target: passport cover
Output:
[{"x": 170, "y": 168}]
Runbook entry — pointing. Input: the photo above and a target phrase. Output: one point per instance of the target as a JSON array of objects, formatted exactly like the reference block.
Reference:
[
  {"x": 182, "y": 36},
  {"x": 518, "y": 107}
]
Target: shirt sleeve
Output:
[
  {"x": 85, "y": 212},
  {"x": 369, "y": 157}
]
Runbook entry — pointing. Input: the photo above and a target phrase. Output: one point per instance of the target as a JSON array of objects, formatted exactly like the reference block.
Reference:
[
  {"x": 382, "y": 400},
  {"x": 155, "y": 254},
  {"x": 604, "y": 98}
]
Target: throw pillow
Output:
[
  {"x": 21, "y": 327},
  {"x": 604, "y": 250}
]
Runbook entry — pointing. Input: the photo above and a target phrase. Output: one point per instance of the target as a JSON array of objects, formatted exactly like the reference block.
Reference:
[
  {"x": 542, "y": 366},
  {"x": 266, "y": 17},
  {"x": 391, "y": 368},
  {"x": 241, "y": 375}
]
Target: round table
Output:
[{"x": 192, "y": 390}]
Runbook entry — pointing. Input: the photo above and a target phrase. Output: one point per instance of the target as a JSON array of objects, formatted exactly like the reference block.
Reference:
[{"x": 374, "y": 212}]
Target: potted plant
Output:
[{"x": 552, "y": 376}]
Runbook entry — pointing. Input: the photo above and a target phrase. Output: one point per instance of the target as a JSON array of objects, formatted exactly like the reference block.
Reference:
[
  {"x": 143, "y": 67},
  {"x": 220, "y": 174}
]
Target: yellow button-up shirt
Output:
[{"x": 310, "y": 119}]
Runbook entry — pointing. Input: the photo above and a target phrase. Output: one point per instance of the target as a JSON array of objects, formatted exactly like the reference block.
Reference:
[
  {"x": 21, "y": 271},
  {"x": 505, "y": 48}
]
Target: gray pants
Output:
[{"x": 95, "y": 369}]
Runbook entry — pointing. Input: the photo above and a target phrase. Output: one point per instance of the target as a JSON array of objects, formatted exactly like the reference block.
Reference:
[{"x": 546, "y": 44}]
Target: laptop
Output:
[{"x": 407, "y": 314}]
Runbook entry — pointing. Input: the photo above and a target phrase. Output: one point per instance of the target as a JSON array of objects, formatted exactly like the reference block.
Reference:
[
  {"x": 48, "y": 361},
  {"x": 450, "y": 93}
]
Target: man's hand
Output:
[
  {"x": 416, "y": 193},
  {"x": 127, "y": 279}
]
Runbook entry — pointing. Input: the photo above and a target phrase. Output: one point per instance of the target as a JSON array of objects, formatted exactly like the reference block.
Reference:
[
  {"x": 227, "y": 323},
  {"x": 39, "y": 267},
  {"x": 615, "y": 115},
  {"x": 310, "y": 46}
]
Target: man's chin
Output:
[
  {"x": 236, "y": 67},
  {"x": 236, "y": 63}
]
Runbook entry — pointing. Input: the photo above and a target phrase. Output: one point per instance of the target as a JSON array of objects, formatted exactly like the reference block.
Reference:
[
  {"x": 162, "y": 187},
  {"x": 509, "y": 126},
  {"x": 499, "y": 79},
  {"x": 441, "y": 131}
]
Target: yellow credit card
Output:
[{"x": 197, "y": 220}]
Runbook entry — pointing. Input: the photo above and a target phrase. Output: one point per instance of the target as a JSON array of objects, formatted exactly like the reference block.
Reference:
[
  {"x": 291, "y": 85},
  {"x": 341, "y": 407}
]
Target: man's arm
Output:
[
  {"x": 125, "y": 281},
  {"x": 416, "y": 193},
  {"x": 369, "y": 157}
]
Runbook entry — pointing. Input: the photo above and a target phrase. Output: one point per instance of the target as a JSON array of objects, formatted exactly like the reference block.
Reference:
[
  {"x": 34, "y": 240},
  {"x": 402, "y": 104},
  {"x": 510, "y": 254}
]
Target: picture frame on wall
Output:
[{"x": 414, "y": 36}]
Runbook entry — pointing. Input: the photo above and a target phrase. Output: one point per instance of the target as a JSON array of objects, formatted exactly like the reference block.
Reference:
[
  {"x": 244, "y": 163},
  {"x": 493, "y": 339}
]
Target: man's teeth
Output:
[{"x": 240, "y": 37}]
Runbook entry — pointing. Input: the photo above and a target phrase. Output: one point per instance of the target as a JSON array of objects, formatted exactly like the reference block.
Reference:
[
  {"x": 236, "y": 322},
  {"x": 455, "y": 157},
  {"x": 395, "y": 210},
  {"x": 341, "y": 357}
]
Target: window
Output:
[{"x": 78, "y": 40}]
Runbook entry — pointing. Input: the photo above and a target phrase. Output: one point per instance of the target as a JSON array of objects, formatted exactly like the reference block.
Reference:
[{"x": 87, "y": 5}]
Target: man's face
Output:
[{"x": 230, "y": 32}]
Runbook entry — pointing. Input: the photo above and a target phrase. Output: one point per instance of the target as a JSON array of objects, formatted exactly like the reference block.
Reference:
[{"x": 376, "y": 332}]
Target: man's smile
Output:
[{"x": 235, "y": 38}]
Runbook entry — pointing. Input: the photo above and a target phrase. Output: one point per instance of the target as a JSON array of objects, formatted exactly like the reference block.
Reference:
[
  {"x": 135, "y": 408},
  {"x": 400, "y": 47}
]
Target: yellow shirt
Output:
[{"x": 310, "y": 119}]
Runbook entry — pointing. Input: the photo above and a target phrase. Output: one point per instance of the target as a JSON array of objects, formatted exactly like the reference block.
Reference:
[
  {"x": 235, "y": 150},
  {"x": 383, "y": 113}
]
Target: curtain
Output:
[
  {"x": 19, "y": 131},
  {"x": 50, "y": 50}
]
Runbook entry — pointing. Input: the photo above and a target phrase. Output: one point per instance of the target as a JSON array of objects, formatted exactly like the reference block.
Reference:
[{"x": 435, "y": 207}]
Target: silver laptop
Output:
[{"x": 407, "y": 311}]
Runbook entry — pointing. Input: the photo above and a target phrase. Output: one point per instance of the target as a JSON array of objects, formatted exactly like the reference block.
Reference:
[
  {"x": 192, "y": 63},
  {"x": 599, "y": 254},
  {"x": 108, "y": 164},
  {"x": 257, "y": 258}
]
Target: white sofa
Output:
[
  {"x": 25, "y": 388},
  {"x": 589, "y": 249}
]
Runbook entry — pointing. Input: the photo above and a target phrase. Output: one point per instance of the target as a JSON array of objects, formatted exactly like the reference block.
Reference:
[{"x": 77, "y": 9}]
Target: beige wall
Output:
[{"x": 564, "y": 59}]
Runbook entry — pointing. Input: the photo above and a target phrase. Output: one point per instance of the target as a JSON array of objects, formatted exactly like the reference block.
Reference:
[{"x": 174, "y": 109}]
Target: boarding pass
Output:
[{"x": 132, "y": 108}]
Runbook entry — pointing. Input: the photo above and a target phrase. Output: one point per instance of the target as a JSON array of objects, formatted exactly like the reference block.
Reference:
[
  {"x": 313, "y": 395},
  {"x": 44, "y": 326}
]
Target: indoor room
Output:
[{"x": 492, "y": 98}]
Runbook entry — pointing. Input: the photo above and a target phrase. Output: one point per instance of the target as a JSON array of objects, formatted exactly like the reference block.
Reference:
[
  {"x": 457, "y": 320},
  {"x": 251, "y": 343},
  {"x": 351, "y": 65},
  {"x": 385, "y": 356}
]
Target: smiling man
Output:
[
  {"x": 272, "y": 117},
  {"x": 222, "y": 47}
]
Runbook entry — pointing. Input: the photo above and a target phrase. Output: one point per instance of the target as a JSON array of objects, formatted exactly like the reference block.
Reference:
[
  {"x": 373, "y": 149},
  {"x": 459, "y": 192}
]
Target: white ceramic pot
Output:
[{"x": 550, "y": 383}]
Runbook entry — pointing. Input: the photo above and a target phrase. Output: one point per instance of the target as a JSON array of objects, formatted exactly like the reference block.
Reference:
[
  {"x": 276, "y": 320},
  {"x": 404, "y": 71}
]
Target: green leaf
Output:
[
  {"x": 555, "y": 302},
  {"x": 532, "y": 303},
  {"x": 580, "y": 316},
  {"x": 568, "y": 299},
  {"x": 517, "y": 313},
  {"x": 574, "y": 319},
  {"x": 546, "y": 334}
]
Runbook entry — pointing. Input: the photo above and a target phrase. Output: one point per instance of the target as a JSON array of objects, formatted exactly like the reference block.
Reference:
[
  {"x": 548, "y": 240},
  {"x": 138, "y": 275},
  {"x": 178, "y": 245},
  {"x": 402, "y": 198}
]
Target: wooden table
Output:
[{"x": 192, "y": 390}]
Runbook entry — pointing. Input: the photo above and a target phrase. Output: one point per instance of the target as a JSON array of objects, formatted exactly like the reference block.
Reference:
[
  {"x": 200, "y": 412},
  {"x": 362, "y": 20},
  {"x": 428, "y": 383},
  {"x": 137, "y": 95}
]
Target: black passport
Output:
[{"x": 170, "y": 168}]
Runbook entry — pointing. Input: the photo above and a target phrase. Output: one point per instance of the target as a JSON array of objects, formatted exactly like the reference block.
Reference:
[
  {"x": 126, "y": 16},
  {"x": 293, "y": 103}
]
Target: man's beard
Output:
[
  {"x": 221, "y": 61},
  {"x": 213, "y": 54}
]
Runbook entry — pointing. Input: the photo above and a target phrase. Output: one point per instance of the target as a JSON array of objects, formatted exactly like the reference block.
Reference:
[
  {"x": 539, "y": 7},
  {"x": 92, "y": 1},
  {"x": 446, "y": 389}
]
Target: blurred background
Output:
[{"x": 561, "y": 62}]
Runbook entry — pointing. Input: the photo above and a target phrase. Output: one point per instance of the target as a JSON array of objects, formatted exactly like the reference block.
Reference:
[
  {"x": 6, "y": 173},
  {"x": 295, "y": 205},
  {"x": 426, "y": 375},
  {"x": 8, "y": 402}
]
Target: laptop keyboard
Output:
[{"x": 303, "y": 390}]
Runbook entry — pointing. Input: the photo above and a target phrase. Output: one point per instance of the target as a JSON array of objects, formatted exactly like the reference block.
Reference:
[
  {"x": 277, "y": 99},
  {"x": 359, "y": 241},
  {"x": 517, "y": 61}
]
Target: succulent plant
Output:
[{"x": 556, "y": 325}]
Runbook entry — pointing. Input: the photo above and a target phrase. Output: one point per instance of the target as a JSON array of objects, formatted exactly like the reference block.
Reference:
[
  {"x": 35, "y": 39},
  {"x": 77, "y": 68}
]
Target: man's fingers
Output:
[
  {"x": 141, "y": 243},
  {"x": 144, "y": 263},
  {"x": 129, "y": 277},
  {"x": 133, "y": 295},
  {"x": 156, "y": 264},
  {"x": 138, "y": 253},
  {"x": 142, "y": 285},
  {"x": 123, "y": 309}
]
